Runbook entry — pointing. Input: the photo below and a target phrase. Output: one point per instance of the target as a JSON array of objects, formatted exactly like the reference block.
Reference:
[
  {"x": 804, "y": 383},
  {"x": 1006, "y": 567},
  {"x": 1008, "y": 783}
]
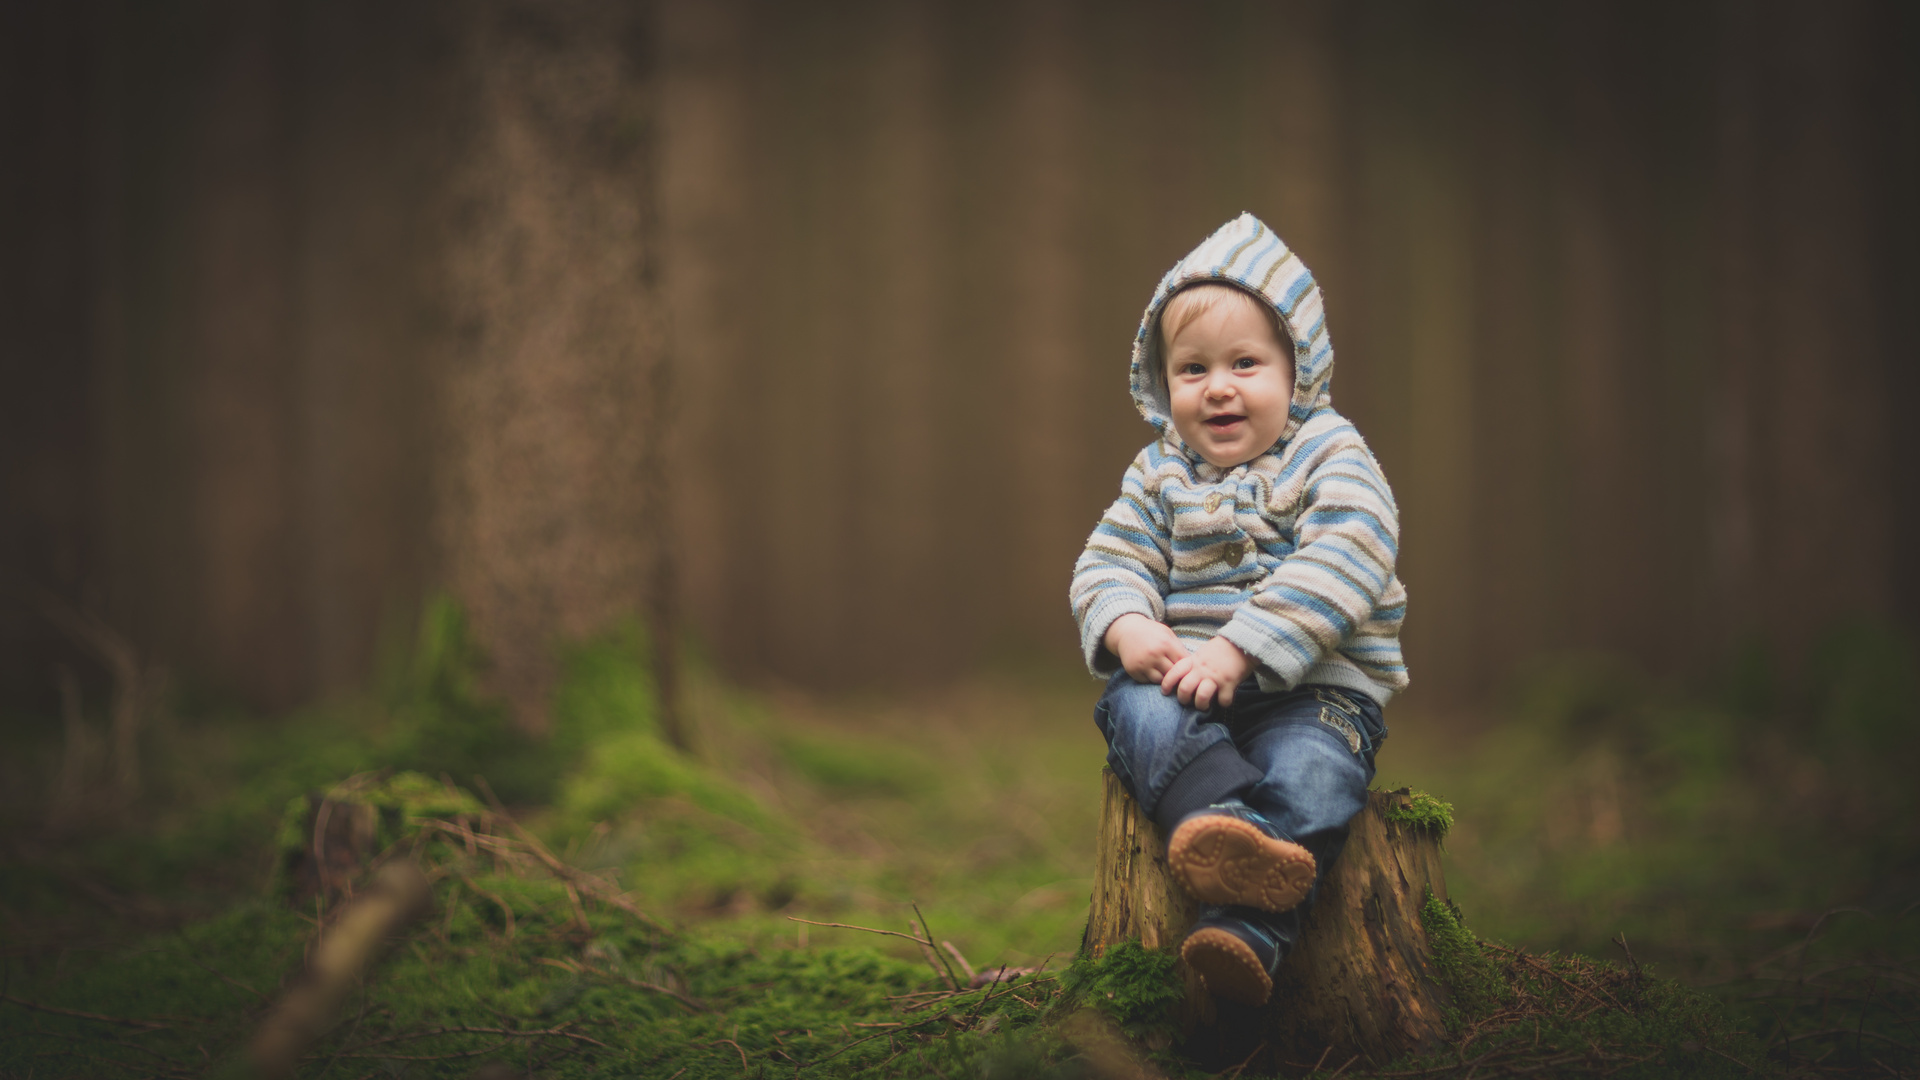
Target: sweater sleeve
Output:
[
  {"x": 1348, "y": 536},
  {"x": 1124, "y": 567}
]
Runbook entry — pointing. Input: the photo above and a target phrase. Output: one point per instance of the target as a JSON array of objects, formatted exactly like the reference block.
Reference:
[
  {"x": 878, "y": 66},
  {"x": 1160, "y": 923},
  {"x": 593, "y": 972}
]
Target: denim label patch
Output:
[{"x": 1336, "y": 720}]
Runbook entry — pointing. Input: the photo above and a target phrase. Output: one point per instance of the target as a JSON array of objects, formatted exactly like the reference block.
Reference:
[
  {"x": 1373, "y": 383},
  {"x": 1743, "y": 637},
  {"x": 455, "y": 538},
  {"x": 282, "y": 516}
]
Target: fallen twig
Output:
[
  {"x": 517, "y": 1033},
  {"x": 1850, "y": 1031},
  {"x": 1550, "y": 973},
  {"x": 868, "y": 929},
  {"x": 886, "y": 1034},
  {"x": 396, "y": 897},
  {"x": 123, "y": 1021},
  {"x": 640, "y": 984},
  {"x": 1235, "y": 1071},
  {"x": 736, "y": 1047},
  {"x": 593, "y": 884},
  {"x": 431, "y": 1057},
  {"x": 927, "y": 929},
  {"x": 145, "y": 1070},
  {"x": 229, "y": 980},
  {"x": 1733, "y": 1059},
  {"x": 506, "y": 909},
  {"x": 959, "y": 959}
]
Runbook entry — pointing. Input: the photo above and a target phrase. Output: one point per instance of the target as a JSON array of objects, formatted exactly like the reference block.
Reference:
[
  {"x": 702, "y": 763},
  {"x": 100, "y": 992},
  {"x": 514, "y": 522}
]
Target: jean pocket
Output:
[{"x": 1352, "y": 723}]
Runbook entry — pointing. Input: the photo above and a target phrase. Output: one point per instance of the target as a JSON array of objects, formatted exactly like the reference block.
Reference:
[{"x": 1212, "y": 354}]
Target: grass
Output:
[{"x": 1759, "y": 844}]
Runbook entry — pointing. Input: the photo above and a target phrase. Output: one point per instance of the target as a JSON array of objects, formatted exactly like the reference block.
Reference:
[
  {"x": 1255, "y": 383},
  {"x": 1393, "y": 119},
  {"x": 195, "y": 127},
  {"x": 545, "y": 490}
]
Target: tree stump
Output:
[{"x": 1360, "y": 983}]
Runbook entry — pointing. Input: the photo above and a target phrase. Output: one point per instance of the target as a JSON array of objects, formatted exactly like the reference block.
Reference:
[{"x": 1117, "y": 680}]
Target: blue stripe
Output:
[
  {"x": 1240, "y": 249},
  {"x": 1299, "y": 287},
  {"x": 1253, "y": 264}
]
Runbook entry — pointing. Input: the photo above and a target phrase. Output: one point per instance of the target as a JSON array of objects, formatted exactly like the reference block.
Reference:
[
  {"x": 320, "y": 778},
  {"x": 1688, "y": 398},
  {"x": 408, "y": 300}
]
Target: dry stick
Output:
[
  {"x": 143, "y": 1069},
  {"x": 229, "y": 980},
  {"x": 366, "y": 1006},
  {"x": 579, "y": 910},
  {"x": 592, "y": 884},
  {"x": 1735, "y": 1060},
  {"x": 133, "y": 682},
  {"x": 964, "y": 966},
  {"x": 927, "y": 929},
  {"x": 1550, "y": 973},
  {"x": 69, "y": 791},
  {"x": 1005, "y": 987},
  {"x": 692, "y": 1003},
  {"x": 736, "y": 1047},
  {"x": 1230, "y": 1074},
  {"x": 396, "y": 897},
  {"x": 505, "y": 907},
  {"x": 868, "y": 929},
  {"x": 150, "y": 1025},
  {"x": 453, "y": 905},
  {"x": 94, "y": 1040},
  {"x": 1848, "y": 1031},
  {"x": 1862, "y": 1024},
  {"x": 990, "y": 994},
  {"x": 1631, "y": 962},
  {"x": 927, "y": 953},
  {"x": 431, "y": 1057},
  {"x": 889, "y": 1033},
  {"x": 516, "y": 1033},
  {"x": 321, "y": 815}
]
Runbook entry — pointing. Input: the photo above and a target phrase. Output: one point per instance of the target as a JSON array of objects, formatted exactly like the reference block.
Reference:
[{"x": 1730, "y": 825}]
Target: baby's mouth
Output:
[{"x": 1224, "y": 421}]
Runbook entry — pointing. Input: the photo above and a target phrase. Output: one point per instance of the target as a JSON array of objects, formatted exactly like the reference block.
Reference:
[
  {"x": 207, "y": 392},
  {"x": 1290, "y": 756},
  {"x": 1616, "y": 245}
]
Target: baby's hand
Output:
[
  {"x": 1147, "y": 649},
  {"x": 1209, "y": 675}
]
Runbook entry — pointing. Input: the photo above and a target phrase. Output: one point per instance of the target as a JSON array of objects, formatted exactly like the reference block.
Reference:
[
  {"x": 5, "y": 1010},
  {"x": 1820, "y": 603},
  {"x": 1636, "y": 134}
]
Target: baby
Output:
[{"x": 1240, "y": 598}]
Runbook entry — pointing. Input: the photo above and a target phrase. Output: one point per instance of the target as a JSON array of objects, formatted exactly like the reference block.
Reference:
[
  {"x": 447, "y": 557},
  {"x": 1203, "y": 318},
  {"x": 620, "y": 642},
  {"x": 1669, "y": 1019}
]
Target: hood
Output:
[{"x": 1247, "y": 254}]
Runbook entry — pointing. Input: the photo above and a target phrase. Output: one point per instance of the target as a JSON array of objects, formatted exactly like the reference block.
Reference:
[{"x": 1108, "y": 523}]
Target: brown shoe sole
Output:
[
  {"x": 1228, "y": 966},
  {"x": 1223, "y": 860}
]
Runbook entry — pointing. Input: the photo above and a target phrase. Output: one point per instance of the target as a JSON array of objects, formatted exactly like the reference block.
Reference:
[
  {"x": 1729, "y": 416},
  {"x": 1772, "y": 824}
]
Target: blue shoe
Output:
[
  {"x": 1234, "y": 954},
  {"x": 1230, "y": 854}
]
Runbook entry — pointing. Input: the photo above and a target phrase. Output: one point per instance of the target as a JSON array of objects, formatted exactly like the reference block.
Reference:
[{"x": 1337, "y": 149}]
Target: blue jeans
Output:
[{"x": 1303, "y": 758}]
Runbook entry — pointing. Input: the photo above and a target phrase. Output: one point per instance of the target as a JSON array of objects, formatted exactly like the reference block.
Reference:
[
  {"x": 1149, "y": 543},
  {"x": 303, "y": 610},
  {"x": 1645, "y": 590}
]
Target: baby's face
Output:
[{"x": 1229, "y": 380}]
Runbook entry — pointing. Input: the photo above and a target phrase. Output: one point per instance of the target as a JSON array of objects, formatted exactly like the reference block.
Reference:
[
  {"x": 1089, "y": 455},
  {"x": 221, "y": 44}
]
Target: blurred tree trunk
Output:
[
  {"x": 657, "y": 464},
  {"x": 545, "y": 481}
]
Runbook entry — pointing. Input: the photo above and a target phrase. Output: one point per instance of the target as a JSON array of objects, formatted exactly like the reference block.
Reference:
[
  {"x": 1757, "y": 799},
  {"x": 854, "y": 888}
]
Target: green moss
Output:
[
  {"x": 506, "y": 952},
  {"x": 625, "y": 770},
  {"x": 403, "y": 800},
  {"x": 605, "y": 690},
  {"x": 1458, "y": 958},
  {"x": 856, "y": 768},
  {"x": 1137, "y": 987},
  {"x": 441, "y": 721},
  {"x": 1538, "y": 1012},
  {"x": 1422, "y": 811}
]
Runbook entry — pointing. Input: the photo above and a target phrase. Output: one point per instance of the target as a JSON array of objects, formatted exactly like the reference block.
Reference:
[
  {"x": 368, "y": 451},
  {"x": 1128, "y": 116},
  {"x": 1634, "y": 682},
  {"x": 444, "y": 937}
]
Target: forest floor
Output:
[{"x": 1762, "y": 858}]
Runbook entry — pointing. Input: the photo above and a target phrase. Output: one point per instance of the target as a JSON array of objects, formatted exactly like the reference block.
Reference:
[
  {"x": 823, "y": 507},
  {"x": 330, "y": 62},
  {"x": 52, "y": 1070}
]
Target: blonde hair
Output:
[{"x": 1196, "y": 300}]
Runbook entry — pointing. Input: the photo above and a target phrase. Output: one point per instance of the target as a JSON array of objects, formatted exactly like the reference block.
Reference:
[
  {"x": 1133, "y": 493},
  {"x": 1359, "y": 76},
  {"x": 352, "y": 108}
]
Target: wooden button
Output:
[{"x": 1213, "y": 501}]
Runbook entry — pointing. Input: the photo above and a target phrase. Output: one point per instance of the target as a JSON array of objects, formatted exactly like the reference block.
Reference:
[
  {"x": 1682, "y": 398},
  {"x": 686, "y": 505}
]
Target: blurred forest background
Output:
[
  {"x": 804, "y": 325},
  {"x": 688, "y": 414}
]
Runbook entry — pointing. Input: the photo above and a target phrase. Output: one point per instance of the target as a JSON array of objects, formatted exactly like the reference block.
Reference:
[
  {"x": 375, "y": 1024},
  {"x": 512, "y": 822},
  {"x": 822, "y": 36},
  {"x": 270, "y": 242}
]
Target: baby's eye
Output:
[
  {"x": 1245, "y": 362},
  {"x": 1193, "y": 369}
]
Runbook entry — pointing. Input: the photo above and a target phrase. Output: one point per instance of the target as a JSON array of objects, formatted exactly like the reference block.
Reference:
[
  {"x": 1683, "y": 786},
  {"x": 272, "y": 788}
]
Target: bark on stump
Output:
[{"x": 1360, "y": 982}]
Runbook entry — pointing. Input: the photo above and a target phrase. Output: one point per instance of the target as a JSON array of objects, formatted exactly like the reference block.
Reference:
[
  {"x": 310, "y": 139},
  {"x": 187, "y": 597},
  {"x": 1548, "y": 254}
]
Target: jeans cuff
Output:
[{"x": 1216, "y": 774}]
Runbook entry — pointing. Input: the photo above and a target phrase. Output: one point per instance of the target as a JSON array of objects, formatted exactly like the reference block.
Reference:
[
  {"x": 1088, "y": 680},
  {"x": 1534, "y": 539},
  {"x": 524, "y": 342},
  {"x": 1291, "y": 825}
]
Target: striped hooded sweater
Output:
[{"x": 1290, "y": 556}]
